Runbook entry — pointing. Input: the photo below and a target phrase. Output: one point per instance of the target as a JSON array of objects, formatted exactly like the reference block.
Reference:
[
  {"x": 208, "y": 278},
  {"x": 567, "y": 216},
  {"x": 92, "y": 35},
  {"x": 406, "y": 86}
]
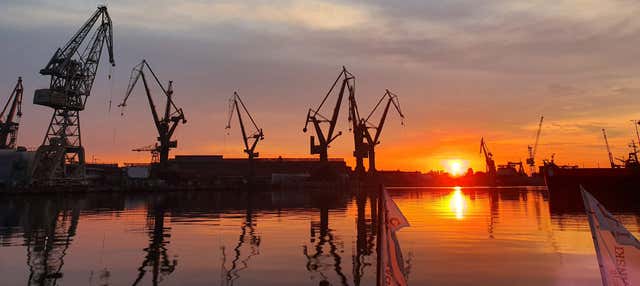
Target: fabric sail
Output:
[
  {"x": 617, "y": 249},
  {"x": 391, "y": 261}
]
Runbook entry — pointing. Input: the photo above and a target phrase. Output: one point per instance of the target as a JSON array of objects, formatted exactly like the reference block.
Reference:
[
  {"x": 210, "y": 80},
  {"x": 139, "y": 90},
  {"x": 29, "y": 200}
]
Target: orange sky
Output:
[{"x": 463, "y": 70}]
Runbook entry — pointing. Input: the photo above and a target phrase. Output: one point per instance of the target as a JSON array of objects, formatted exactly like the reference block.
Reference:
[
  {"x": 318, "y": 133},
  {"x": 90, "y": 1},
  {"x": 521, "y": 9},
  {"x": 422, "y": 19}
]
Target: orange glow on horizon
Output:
[{"x": 456, "y": 167}]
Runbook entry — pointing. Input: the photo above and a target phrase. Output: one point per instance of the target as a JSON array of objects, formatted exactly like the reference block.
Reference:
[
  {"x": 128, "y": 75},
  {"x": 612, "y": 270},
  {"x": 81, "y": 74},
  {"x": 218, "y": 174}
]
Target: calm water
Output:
[{"x": 458, "y": 236}]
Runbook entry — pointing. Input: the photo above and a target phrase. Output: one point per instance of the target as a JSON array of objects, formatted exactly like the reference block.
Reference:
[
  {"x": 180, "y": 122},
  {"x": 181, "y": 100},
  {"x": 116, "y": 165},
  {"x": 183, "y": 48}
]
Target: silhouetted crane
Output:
[
  {"x": 606, "y": 142},
  {"x": 256, "y": 136},
  {"x": 10, "y": 117},
  {"x": 532, "y": 150},
  {"x": 373, "y": 140},
  {"x": 360, "y": 147},
  {"x": 173, "y": 115},
  {"x": 488, "y": 157},
  {"x": 61, "y": 155},
  {"x": 314, "y": 116},
  {"x": 154, "y": 149}
]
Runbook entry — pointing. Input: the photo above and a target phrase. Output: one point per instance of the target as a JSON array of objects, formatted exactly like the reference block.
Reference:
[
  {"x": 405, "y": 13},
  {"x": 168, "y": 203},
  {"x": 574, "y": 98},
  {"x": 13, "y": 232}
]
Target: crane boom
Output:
[
  {"x": 606, "y": 142},
  {"x": 488, "y": 156},
  {"x": 314, "y": 117},
  {"x": 72, "y": 69},
  {"x": 373, "y": 140},
  {"x": 257, "y": 135},
  {"x": 10, "y": 117},
  {"x": 532, "y": 150},
  {"x": 165, "y": 125}
]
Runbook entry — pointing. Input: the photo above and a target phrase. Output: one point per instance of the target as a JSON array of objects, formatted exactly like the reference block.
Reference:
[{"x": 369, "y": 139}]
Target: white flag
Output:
[
  {"x": 617, "y": 249},
  {"x": 392, "y": 263}
]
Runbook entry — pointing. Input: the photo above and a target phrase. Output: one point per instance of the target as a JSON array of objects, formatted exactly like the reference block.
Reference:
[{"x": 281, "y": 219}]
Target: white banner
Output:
[
  {"x": 617, "y": 249},
  {"x": 391, "y": 260}
]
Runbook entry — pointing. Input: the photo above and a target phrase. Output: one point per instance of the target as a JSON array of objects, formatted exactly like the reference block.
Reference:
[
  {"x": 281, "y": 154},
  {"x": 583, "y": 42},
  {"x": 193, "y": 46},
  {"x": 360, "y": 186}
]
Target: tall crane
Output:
[
  {"x": 488, "y": 157},
  {"x": 256, "y": 136},
  {"x": 358, "y": 129},
  {"x": 173, "y": 115},
  {"x": 73, "y": 71},
  {"x": 532, "y": 150},
  {"x": 374, "y": 139},
  {"x": 606, "y": 142},
  {"x": 314, "y": 117},
  {"x": 10, "y": 117}
]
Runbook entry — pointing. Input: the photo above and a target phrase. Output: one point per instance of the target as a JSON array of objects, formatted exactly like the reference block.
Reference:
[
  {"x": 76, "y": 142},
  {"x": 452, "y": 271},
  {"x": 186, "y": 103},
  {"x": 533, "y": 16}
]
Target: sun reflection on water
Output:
[{"x": 457, "y": 203}]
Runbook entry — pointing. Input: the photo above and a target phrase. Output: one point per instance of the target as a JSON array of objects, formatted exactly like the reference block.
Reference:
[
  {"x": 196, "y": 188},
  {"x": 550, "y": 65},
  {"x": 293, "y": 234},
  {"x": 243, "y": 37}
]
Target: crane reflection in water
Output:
[
  {"x": 325, "y": 254},
  {"x": 156, "y": 253},
  {"x": 249, "y": 235}
]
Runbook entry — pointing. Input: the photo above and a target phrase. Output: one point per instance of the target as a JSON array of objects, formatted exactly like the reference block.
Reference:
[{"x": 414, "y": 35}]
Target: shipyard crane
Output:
[
  {"x": 532, "y": 150},
  {"x": 10, "y": 117},
  {"x": 73, "y": 70},
  {"x": 154, "y": 149},
  {"x": 314, "y": 117},
  {"x": 250, "y": 141},
  {"x": 374, "y": 139},
  {"x": 358, "y": 129},
  {"x": 172, "y": 116},
  {"x": 488, "y": 157},
  {"x": 606, "y": 142}
]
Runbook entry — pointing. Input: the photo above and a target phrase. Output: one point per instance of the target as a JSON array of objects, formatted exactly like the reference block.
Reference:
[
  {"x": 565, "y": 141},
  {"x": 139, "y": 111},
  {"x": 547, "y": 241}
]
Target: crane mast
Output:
[
  {"x": 10, "y": 117},
  {"x": 488, "y": 156},
  {"x": 256, "y": 136},
  {"x": 606, "y": 142},
  {"x": 73, "y": 70},
  {"x": 314, "y": 117},
  {"x": 165, "y": 125},
  {"x": 373, "y": 140},
  {"x": 532, "y": 150},
  {"x": 360, "y": 146}
]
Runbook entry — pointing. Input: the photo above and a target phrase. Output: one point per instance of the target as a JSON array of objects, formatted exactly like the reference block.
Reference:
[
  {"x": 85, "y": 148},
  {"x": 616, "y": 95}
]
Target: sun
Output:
[{"x": 456, "y": 167}]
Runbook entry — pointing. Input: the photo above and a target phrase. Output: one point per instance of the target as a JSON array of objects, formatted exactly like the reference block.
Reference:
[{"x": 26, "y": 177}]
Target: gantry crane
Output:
[
  {"x": 73, "y": 70},
  {"x": 154, "y": 149},
  {"x": 488, "y": 157},
  {"x": 373, "y": 140},
  {"x": 10, "y": 117},
  {"x": 606, "y": 142},
  {"x": 532, "y": 150},
  {"x": 314, "y": 117},
  {"x": 249, "y": 147},
  {"x": 173, "y": 115}
]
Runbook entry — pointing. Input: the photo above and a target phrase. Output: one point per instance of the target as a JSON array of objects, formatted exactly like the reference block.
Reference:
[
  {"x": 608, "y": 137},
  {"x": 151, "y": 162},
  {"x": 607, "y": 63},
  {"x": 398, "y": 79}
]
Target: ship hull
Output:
[{"x": 616, "y": 188}]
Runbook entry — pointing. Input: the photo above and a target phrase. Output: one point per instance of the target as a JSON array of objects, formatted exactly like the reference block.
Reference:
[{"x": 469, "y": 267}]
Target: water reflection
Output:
[
  {"x": 458, "y": 236},
  {"x": 457, "y": 203},
  {"x": 239, "y": 263},
  {"x": 319, "y": 259},
  {"x": 156, "y": 257}
]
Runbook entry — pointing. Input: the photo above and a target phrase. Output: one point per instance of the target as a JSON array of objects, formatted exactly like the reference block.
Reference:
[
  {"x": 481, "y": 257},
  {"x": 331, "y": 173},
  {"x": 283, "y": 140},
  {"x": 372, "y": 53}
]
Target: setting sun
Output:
[{"x": 456, "y": 167}]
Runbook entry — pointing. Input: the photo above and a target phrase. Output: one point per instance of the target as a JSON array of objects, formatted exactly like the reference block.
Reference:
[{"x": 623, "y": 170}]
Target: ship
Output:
[{"x": 618, "y": 185}]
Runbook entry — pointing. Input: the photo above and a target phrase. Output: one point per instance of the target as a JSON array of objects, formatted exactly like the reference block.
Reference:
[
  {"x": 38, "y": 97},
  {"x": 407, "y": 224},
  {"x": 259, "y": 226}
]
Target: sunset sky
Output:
[{"x": 462, "y": 69}]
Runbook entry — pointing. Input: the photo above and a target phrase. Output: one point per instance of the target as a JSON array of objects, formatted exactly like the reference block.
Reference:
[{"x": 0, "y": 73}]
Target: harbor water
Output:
[{"x": 458, "y": 236}]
